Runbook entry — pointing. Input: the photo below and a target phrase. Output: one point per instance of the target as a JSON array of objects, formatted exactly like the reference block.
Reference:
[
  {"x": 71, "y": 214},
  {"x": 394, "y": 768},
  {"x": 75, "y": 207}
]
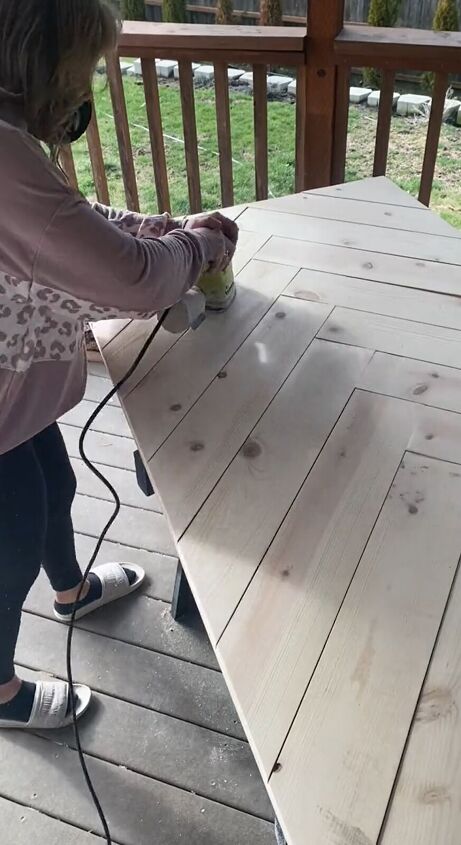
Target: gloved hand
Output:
[{"x": 221, "y": 231}]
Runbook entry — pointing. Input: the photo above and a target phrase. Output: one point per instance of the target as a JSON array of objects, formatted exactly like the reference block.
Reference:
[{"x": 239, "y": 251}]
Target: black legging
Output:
[{"x": 37, "y": 488}]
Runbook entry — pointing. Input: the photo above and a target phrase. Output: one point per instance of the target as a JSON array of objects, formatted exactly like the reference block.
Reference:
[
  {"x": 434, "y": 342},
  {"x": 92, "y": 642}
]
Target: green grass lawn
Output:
[{"x": 405, "y": 157}]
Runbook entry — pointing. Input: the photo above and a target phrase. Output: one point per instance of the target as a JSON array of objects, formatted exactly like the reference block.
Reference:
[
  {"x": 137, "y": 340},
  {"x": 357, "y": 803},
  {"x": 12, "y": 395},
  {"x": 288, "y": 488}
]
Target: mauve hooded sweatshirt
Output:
[{"x": 64, "y": 262}]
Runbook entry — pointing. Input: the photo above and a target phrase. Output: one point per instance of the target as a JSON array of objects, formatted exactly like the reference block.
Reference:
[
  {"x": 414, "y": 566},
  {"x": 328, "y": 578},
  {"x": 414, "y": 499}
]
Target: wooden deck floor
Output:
[{"x": 164, "y": 745}]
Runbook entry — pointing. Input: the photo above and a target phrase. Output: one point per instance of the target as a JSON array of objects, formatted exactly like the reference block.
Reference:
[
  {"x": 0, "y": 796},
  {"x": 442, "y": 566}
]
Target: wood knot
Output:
[
  {"x": 368, "y": 265},
  {"x": 412, "y": 509},
  {"x": 435, "y": 704},
  {"x": 435, "y": 795},
  {"x": 196, "y": 446},
  {"x": 222, "y": 374},
  {"x": 176, "y": 406},
  {"x": 286, "y": 573},
  {"x": 251, "y": 449},
  {"x": 430, "y": 436},
  {"x": 419, "y": 389},
  {"x": 334, "y": 329},
  {"x": 435, "y": 375},
  {"x": 277, "y": 768},
  {"x": 280, "y": 315}
]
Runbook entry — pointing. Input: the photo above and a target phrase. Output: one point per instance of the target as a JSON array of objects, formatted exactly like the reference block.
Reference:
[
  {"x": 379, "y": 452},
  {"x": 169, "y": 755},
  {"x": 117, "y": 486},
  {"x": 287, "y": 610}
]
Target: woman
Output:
[{"x": 62, "y": 263}]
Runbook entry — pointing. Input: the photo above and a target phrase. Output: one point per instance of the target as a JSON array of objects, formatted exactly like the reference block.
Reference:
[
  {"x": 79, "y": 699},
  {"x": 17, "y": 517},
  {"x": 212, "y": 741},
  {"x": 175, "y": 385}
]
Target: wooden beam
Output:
[
  {"x": 325, "y": 21},
  {"x": 136, "y": 34},
  {"x": 399, "y": 48}
]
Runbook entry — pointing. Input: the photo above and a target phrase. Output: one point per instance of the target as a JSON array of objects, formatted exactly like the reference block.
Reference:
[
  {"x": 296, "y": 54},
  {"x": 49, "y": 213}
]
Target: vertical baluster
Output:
[
  {"x": 433, "y": 136},
  {"x": 223, "y": 124},
  {"x": 66, "y": 159},
  {"x": 186, "y": 84},
  {"x": 341, "y": 125},
  {"x": 260, "y": 129},
  {"x": 122, "y": 129},
  {"x": 97, "y": 160},
  {"x": 383, "y": 128},
  {"x": 300, "y": 126},
  {"x": 154, "y": 118}
]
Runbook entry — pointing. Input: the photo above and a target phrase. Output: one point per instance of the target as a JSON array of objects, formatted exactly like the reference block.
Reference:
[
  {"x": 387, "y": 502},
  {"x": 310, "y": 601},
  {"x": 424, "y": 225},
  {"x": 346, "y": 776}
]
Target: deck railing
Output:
[{"x": 322, "y": 59}]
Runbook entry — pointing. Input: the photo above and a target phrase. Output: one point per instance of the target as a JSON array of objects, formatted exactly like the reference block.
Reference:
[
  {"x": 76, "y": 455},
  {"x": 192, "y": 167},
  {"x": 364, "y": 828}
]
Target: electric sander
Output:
[{"x": 214, "y": 292}]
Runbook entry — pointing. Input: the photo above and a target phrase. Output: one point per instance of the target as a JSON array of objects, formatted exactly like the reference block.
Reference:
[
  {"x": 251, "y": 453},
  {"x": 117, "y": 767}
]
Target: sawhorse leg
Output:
[{"x": 183, "y": 601}]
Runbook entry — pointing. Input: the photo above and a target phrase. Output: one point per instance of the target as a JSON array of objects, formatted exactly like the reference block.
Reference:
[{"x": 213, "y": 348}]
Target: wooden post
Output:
[{"x": 324, "y": 22}]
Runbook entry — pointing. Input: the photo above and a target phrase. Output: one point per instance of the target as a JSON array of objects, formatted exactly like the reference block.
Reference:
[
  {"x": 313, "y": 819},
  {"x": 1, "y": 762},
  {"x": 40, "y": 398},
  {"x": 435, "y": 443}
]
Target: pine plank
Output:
[
  {"x": 22, "y": 825},
  {"x": 160, "y": 402},
  {"x": 106, "y": 330},
  {"x": 425, "y": 807},
  {"x": 363, "y": 295},
  {"x": 398, "y": 337},
  {"x": 350, "y": 731},
  {"x": 378, "y": 267},
  {"x": 375, "y": 189},
  {"x": 123, "y": 480},
  {"x": 134, "y": 527},
  {"x": 192, "y": 758},
  {"x": 209, "y": 437},
  {"x": 140, "y": 620},
  {"x": 322, "y": 206},
  {"x": 121, "y": 352},
  {"x": 373, "y": 239},
  {"x": 298, "y": 588},
  {"x": 416, "y": 381},
  {"x": 149, "y": 679},
  {"x": 138, "y": 807},
  {"x": 231, "y": 533}
]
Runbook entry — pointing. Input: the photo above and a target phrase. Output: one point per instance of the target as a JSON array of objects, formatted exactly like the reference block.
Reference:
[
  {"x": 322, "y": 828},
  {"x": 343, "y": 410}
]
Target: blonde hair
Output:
[{"x": 49, "y": 50}]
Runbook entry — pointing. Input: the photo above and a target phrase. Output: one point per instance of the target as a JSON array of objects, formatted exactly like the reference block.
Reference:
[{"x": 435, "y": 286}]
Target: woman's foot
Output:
[
  {"x": 41, "y": 705},
  {"x": 106, "y": 583},
  {"x": 16, "y": 700}
]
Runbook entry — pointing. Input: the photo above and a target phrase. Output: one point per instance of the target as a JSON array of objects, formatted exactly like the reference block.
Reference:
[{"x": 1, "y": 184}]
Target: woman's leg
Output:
[
  {"x": 59, "y": 557},
  {"x": 22, "y": 537}
]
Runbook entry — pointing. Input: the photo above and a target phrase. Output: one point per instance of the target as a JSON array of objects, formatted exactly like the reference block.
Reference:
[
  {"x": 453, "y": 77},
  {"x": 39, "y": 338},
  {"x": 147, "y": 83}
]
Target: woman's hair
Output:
[{"x": 48, "y": 54}]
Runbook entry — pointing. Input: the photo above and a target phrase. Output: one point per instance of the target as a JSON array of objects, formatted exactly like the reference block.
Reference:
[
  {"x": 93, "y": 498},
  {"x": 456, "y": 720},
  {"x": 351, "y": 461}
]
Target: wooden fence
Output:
[{"x": 321, "y": 60}]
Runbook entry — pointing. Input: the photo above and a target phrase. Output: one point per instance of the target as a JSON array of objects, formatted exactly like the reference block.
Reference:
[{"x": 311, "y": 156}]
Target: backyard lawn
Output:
[{"x": 405, "y": 157}]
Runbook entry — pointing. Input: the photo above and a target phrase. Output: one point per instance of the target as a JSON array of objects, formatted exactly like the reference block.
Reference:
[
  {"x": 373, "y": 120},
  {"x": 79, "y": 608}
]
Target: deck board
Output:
[{"x": 169, "y": 755}]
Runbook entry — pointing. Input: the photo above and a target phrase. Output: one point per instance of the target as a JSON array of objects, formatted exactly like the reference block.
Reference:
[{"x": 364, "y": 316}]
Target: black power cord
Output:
[{"x": 98, "y": 474}]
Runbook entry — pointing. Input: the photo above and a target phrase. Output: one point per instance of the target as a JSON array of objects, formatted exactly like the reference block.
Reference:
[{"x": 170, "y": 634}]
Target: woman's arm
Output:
[
  {"x": 140, "y": 225},
  {"x": 107, "y": 272}
]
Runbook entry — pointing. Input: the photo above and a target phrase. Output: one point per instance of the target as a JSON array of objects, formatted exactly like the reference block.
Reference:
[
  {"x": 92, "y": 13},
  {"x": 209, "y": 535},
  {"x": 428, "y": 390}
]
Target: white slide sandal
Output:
[
  {"x": 115, "y": 585},
  {"x": 49, "y": 710}
]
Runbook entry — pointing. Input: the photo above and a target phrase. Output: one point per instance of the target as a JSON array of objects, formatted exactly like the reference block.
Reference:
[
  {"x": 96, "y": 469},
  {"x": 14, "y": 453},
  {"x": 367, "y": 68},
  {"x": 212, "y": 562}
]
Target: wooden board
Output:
[
  {"x": 378, "y": 267},
  {"x": 321, "y": 206},
  {"x": 298, "y": 589},
  {"x": 416, "y": 381},
  {"x": 399, "y": 337},
  {"x": 350, "y": 731},
  {"x": 373, "y": 239},
  {"x": 231, "y": 533},
  {"x": 425, "y": 808},
  {"x": 159, "y": 404},
  {"x": 203, "y": 445},
  {"x": 370, "y": 296},
  {"x": 373, "y": 190}
]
